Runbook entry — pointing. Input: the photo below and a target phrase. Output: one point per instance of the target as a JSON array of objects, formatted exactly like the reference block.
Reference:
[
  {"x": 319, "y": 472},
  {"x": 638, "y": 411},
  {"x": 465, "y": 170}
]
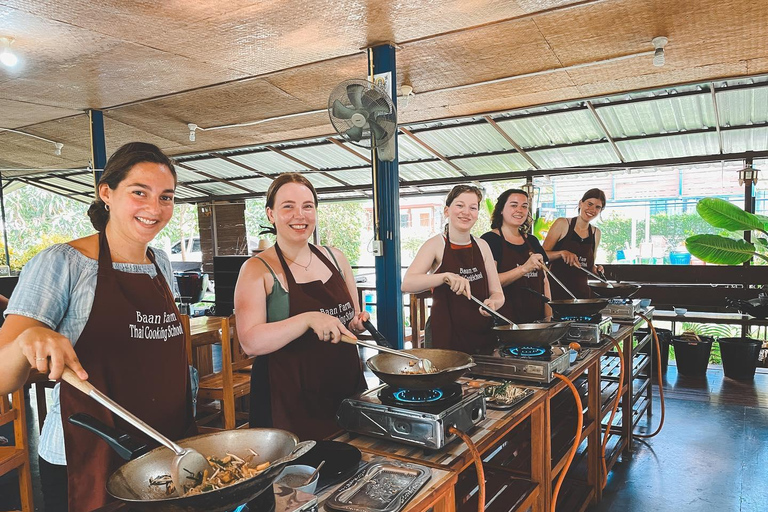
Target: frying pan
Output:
[
  {"x": 389, "y": 368},
  {"x": 614, "y": 290},
  {"x": 573, "y": 307},
  {"x": 130, "y": 483},
  {"x": 531, "y": 335}
]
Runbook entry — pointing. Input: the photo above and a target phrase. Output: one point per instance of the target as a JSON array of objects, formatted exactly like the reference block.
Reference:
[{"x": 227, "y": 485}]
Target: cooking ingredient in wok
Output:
[
  {"x": 226, "y": 471},
  {"x": 504, "y": 394},
  {"x": 414, "y": 368}
]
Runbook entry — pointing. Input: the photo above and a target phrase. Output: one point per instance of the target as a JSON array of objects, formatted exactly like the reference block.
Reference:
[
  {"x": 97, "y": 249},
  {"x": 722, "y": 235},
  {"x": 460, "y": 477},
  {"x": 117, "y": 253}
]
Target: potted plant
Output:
[{"x": 739, "y": 355}]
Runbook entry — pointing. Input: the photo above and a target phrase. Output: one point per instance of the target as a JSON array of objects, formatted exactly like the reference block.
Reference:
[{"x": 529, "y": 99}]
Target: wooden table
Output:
[
  {"x": 700, "y": 317},
  {"x": 204, "y": 331}
]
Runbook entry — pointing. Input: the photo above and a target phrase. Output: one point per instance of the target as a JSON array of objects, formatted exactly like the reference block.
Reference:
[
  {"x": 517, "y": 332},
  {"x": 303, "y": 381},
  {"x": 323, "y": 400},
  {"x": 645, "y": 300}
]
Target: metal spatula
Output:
[
  {"x": 494, "y": 312},
  {"x": 188, "y": 465}
]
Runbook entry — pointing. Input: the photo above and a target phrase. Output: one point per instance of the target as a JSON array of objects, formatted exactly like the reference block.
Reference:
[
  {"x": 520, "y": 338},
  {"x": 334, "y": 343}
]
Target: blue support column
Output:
[
  {"x": 98, "y": 144},
  {"x": 389, "y": 299}
]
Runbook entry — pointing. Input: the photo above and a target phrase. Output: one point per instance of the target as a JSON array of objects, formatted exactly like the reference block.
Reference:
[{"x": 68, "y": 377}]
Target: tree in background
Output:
[{"x": 182, "y": 226}]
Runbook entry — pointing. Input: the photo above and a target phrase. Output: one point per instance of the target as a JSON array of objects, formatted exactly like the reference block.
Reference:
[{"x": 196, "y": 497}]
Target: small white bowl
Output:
[
  {"x": 644, "y": 303},
  {"x": 680, "y": 311},
  {"x": 298, "y": 473},
  {"x": 615, "y": 327}
]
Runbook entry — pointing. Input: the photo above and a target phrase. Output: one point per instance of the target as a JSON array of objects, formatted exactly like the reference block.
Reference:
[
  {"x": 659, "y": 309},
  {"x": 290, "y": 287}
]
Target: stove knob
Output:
[{"x": 402, "y": 427}]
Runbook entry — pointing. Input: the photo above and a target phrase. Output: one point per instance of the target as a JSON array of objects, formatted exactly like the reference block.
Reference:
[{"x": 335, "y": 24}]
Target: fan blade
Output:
[
  {"x": 354, "y": 134},
  {"x": 374, "y": 103},
  {"x": 340, "y": 111},
  {"x": 379, "y": 133},
  {"x": 354, "y": 93},
  {"x": 382, "y": 128}
]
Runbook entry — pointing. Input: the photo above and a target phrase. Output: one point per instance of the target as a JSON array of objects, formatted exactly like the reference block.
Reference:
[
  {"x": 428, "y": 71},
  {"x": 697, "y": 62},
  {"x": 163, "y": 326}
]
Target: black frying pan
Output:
[
  {"x": 534, "y": 334},
  {"x": 130, "y": 483}
]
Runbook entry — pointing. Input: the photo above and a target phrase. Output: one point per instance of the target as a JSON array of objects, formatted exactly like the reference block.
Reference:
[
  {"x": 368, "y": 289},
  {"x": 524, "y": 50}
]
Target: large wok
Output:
[
  {"x": 567, "y": 308},
  {"x": 531, "y": 335},
  {"x": 614, "y": 290},
  {"x": 391, "y": 369},
  {"x": 130, "y": 483}
]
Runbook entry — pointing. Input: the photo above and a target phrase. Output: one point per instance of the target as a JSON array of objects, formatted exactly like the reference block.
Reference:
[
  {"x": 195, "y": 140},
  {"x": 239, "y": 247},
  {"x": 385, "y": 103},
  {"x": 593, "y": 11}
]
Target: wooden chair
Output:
[
  {"x": 223, "y": 387},
  {"x": 16, "y": 456},
  {"x": 418, "y": 309}
]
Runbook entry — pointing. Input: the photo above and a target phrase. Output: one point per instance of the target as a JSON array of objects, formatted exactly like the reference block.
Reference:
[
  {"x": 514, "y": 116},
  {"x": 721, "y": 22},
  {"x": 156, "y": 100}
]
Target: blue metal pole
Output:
[
  {"x": 98, "y": 144},
  {"x": 389, "y": 298}
]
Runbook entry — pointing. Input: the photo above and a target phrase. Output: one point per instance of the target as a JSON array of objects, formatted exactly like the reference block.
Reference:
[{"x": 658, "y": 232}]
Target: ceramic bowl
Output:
[
  {"x": 680, "y": 311},
  {"x": 644, "y": 303},
  {"x": 293, "y": 475}
]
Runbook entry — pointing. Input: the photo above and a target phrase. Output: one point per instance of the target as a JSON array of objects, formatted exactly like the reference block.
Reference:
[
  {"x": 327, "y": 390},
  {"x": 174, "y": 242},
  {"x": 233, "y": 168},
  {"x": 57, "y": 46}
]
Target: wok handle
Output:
[
  {"x": 380, "y": 339},
  {"x": 380, "y": 348},
  {"x": 86, "y": 387},
  {"x": 126, "y": 446}
]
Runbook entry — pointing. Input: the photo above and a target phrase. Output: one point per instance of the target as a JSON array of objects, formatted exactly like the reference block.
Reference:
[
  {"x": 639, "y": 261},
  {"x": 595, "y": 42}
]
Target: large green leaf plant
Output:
[{"x": 722, "y": 249}]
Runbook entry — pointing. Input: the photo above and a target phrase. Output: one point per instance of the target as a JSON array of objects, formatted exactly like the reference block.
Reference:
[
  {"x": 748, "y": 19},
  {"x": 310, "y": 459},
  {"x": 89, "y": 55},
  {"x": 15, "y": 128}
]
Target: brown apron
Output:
[
  {"x": 520, "y": 306},
  {"x": 309, "y": 378},
  {"x": 573, "y": 278},
  {"x": 456, "y": 321},
  {"x": 133, "y": 349}
]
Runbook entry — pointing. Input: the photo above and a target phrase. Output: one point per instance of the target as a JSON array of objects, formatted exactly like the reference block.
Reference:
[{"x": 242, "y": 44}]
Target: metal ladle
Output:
[
  {"x": 602, "y": 279},
  {"x": 187, "y": 462},
  {"x": 425, "y": 365},
  {"x": 495, "y": 313}
]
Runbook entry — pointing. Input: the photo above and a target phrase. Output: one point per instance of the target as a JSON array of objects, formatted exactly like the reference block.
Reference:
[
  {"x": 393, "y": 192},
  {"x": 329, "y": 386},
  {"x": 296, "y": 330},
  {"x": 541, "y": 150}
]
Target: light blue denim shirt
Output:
[{"x": 57, "y": 287}]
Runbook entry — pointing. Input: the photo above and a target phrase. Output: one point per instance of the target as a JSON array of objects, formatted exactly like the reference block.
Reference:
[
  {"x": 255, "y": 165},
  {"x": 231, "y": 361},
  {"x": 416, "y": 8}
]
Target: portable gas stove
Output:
[
  {"x": 526, "y": 363},
  {"x": 412, "y": 416},
  {"x": 587, "y": 331},
  {"x": 622, "y": 309}
]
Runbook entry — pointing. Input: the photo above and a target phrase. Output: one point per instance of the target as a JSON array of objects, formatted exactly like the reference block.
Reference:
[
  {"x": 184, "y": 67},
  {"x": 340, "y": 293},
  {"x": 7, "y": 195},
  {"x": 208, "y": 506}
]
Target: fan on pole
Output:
[{"x": 364, "y": 115}]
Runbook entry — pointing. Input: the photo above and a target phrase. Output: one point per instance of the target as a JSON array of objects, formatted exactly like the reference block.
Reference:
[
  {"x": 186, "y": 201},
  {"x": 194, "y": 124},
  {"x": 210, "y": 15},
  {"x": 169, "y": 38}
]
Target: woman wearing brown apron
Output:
[
  {"x": 107, "y": 295},
  {"x": 572, "y": 243},
  {"x": 520, "y": 259},
  {"x": 455, "y": 266},
  {"x": 290, "y": 301}
]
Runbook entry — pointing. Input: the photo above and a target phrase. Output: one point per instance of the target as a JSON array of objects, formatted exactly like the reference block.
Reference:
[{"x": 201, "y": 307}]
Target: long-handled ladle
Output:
[
  {"x": 553, "y": 276},
  {"x": 495, "y": 313},
  {"x": 187, "y": 467},
  {"x": 601, "y": 279}
]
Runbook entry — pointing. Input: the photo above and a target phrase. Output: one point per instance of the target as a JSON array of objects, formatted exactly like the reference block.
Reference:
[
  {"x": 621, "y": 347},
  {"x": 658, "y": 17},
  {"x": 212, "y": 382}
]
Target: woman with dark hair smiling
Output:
[
  {"x": 520, "y": 259},
  {"x": 465, "y": 266},
  {"x": 572, "y": 243},
  {"x": 291, "y": 301},
  {"x": 89, "y": 304}
]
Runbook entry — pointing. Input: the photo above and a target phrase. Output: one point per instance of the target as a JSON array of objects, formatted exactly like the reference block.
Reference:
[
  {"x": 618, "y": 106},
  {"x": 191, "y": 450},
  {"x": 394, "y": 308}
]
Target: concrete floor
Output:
[{"x": 709, "y": 457}]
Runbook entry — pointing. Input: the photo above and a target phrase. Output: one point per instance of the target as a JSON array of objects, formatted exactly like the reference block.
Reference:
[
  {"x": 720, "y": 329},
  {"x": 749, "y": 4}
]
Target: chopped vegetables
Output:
[
  {"x": 414, "y": 368},
  {"x": 504, "y": 394}
]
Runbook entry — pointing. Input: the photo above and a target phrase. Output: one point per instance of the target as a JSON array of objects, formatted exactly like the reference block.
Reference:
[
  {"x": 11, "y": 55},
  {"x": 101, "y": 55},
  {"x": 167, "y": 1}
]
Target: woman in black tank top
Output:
[{"x": 572, "y": 243}]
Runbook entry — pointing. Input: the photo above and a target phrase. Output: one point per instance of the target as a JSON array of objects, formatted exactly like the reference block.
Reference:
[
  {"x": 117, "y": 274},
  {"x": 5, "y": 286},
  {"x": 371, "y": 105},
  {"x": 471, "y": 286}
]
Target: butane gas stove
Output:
[
  {"x": 417, "y": 417},
  {"x": 535, "y": 364},
  {"x": 588, "y": 331},
  {"x": 622, "y": 309}
]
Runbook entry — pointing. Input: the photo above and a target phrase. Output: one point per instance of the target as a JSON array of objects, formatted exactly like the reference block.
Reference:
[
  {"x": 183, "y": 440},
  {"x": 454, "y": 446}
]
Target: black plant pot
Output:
[
  {"x": 665, "y": 340},
  {"x": 692, "y": 355},
  {"x": 739, "y": 357}
]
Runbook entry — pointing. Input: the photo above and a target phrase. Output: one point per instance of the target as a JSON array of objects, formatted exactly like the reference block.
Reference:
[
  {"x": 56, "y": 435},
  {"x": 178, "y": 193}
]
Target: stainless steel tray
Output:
[
  {"x": 380, "y": 487},
  {"x": 492, "y": 404}
]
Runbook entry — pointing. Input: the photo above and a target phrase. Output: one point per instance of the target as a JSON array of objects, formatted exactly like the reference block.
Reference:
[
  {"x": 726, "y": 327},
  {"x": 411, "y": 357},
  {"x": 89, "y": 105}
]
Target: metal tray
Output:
[
  {"x": 492, "y": 404},
  {"x": 380, "y": 487}
]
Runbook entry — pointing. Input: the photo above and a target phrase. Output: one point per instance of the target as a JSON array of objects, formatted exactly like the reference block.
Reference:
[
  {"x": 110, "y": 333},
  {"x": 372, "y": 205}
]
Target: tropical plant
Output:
[{"x": 730, "y": 218}]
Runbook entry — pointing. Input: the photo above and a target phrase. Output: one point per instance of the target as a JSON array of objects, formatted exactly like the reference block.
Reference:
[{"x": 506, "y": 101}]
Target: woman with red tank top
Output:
[
  {"x": 455, "y": 265},
  {"x": 572, "y": 243},
  {"x": 519, "y": 257},
  {"x": 291, "y": 301}
]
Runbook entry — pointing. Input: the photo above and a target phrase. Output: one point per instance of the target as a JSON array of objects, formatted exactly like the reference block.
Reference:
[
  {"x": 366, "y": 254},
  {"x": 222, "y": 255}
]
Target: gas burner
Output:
[
  {"x": 583, "y": 319},
  {"x": 619, "y": 300},
  {"x": 526, "y": 352},
  {"x": 420, "y": 397}
]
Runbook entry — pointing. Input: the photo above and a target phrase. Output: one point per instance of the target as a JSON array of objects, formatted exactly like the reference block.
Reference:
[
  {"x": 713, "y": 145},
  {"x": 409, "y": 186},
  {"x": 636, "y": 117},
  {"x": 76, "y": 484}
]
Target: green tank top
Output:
[{"x": 278, "y": 304}]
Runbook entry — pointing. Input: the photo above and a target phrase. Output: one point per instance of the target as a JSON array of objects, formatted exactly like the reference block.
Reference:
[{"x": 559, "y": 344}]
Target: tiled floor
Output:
[{"x": 711, "y": 455}]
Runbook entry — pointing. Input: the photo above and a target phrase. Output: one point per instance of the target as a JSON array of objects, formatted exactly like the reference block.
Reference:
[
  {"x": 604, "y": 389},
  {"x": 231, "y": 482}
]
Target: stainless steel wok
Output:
[
  {"x": 614, "y": 290},
  {"x": 535, "y": 334},
  {"x": 130, "y": 483},
  {"x": 577, "y": 307},
  {"x": 393, "y": 369}
]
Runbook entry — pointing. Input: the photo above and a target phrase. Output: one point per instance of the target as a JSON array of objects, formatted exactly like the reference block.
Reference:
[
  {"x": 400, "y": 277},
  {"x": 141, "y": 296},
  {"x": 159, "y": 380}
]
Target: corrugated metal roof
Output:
[
  {"x": 553, "y": 129},
  {"x": 664, "y": 115},
  {"x": 219, "y": 168},
  {"x": 326, "y": 156},
  {"x": 673, "y": 146},
  {"x": 465, "y": 140},
  {"x": 409, "y": 150},
  {"x": 419, "y": 171},
  {"x": 737, "y": 141},
  {"x": 574, "y": 156},
  {"x": 218, "y": 188},
  {"x": 482, "y": 165},
  {"x": 269, "y": 162},
  {"x": 743, "y": 107}
]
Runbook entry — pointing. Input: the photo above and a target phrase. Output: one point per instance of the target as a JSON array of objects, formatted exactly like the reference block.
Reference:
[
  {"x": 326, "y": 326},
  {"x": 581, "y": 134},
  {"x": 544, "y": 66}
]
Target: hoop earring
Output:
[{"x": 106, "y": 206}]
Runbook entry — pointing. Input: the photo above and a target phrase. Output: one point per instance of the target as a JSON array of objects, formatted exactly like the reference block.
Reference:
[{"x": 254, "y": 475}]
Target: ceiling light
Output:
[
  {"x": 192, "y": 127},
  {"x": 7, "y": 58},
  {"x": 658, "y": 56},
  {"x": 57, "y": 148}
]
